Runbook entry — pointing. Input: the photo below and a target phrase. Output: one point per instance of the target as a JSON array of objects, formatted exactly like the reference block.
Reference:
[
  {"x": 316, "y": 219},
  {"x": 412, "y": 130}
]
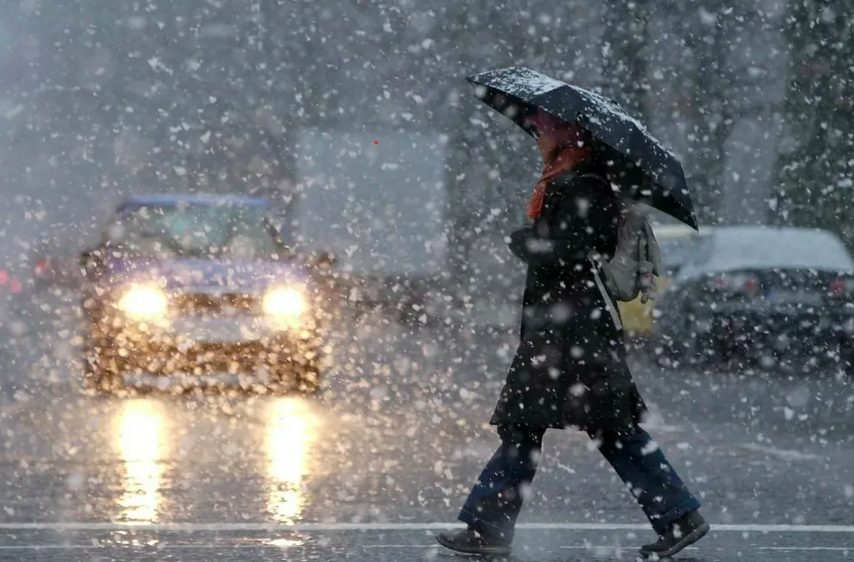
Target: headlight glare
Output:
[
  {"x": 144, "y": 302},
  {"x": 284, "y": 302}
]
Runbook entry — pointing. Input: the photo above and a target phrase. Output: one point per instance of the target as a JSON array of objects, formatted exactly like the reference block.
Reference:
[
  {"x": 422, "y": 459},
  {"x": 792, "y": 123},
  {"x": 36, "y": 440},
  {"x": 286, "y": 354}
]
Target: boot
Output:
[
  {"x": 687, "y": 530},
  {"x": 469, "y": 541}
]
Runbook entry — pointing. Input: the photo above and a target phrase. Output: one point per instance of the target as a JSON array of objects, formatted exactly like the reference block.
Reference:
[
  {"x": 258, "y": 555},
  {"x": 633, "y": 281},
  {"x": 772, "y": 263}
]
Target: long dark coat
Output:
[{"x": 570, "y": 368}]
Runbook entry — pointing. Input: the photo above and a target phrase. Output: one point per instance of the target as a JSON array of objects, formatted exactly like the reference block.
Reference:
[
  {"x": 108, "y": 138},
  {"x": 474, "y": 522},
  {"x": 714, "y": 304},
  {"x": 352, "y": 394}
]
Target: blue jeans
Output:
[{"x": 496, "y": 499}]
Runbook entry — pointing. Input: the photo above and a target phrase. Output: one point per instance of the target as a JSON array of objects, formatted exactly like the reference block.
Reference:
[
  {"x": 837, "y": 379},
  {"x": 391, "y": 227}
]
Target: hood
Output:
[{"x": 206, "y": 274}]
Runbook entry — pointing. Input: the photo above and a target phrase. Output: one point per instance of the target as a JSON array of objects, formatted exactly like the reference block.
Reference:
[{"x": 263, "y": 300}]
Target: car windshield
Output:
[{"x": 197, "y": 231}]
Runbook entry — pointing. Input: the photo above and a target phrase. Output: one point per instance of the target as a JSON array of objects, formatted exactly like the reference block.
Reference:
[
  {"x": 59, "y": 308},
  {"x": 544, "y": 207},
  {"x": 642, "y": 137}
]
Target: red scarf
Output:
[{"x": 567, "y": 159}]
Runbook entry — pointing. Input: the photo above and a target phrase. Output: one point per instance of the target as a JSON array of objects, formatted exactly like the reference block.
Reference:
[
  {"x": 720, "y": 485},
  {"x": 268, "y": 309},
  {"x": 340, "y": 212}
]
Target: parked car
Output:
[
  {"x": 763, "y": 294},
  {"x": 677, "y": 244},
  {"x": 196, "y": 284}
]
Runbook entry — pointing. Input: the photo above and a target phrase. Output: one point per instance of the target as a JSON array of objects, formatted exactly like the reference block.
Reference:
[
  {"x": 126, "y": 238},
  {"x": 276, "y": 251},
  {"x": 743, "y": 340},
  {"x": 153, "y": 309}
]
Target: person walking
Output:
[{"x": 570, "y": 368}]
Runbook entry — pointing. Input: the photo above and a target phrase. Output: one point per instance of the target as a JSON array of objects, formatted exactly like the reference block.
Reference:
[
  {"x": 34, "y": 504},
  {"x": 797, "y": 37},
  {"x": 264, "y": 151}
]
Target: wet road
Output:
[{"x": 367, "y": 470}]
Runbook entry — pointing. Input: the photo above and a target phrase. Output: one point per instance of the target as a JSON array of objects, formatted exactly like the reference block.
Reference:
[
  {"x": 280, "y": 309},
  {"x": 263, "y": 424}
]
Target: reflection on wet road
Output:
[
  {"x": 156, "y": 459},
  {"x": 145, "y": 437},
  {"x": 142, "y": 449},
  {"x": 291, "y": 431}
]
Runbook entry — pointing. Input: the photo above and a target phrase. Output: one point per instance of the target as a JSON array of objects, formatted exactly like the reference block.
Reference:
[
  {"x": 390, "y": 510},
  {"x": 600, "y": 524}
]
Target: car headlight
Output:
[
  {"x": 144, "y": 302},
  {"x": 284, "y": 302}
]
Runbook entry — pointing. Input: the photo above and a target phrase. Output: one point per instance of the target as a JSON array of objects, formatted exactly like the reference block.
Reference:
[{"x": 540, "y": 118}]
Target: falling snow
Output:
[{"x": 268, "y": 274}]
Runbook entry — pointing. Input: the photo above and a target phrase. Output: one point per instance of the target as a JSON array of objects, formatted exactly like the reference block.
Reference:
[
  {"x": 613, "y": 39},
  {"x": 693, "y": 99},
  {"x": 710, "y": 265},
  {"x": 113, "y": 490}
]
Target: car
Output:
[
  {"x": 13, "y": 318},
  {"x": 399, "y": 297},
  {"x": 677, "y": 243},
  {"x": 768, "y": 296},
  {"x": 53, "y": 263},
  {"x": 52, "y": 284},
  {"x": 197, "y": 284}
]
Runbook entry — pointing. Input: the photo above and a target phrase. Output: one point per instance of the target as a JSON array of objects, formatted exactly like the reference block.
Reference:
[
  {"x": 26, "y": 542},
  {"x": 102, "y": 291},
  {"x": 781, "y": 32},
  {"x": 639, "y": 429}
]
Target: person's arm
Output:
[{"x": 587, "y": 206}]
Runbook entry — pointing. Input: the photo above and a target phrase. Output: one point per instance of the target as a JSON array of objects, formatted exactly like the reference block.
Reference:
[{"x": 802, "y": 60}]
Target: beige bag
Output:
[{"x": 637, "y": 258}]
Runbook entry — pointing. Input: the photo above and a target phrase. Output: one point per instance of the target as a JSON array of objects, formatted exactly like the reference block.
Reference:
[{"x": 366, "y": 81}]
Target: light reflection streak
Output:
[
  {"x": 141, "y": 447},
  {"x": 291, "y": 431}
]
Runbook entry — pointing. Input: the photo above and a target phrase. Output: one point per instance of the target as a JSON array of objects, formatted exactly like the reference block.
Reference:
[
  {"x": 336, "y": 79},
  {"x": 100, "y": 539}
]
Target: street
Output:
[{"x": 383, "y": 458}]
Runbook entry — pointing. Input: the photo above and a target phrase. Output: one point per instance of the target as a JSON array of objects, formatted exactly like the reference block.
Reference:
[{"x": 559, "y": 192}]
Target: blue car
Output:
[{"x": 193, "y": 285}]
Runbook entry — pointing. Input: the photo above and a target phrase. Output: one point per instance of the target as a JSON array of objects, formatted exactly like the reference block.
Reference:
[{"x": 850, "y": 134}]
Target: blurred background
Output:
[{"x": 102, "y": 98}]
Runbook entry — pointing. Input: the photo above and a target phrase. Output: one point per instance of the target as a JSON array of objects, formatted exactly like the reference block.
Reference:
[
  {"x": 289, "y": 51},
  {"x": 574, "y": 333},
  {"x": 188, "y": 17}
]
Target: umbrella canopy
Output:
[{"x": 649, "y": 171}]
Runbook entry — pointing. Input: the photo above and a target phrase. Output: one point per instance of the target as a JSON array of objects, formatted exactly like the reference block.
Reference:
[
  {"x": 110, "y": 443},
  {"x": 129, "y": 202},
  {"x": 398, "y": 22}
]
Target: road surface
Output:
[{"x": 382, "y": 459}]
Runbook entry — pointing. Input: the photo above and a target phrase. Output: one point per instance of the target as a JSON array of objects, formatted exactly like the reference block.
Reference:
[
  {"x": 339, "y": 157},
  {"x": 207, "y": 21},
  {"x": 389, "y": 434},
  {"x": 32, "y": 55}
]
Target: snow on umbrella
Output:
[{"x": 650, "y": 172}]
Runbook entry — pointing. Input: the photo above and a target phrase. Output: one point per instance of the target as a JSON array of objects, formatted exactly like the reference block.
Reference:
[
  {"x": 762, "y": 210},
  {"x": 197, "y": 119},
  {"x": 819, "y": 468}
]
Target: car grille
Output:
[{"x": 203, "y": 304}]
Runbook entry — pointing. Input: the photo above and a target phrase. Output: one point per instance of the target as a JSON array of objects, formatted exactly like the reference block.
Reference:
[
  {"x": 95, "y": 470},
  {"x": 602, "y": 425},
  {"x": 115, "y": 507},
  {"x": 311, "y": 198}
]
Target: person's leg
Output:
[
  {"x": 496, "y": 498},
  {"x": 641, "y": 464}
]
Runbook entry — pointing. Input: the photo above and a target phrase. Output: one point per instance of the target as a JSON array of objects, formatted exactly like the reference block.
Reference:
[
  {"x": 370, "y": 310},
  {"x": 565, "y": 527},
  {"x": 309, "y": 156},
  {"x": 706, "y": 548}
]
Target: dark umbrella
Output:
[{"x": 651, "y": 173}]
